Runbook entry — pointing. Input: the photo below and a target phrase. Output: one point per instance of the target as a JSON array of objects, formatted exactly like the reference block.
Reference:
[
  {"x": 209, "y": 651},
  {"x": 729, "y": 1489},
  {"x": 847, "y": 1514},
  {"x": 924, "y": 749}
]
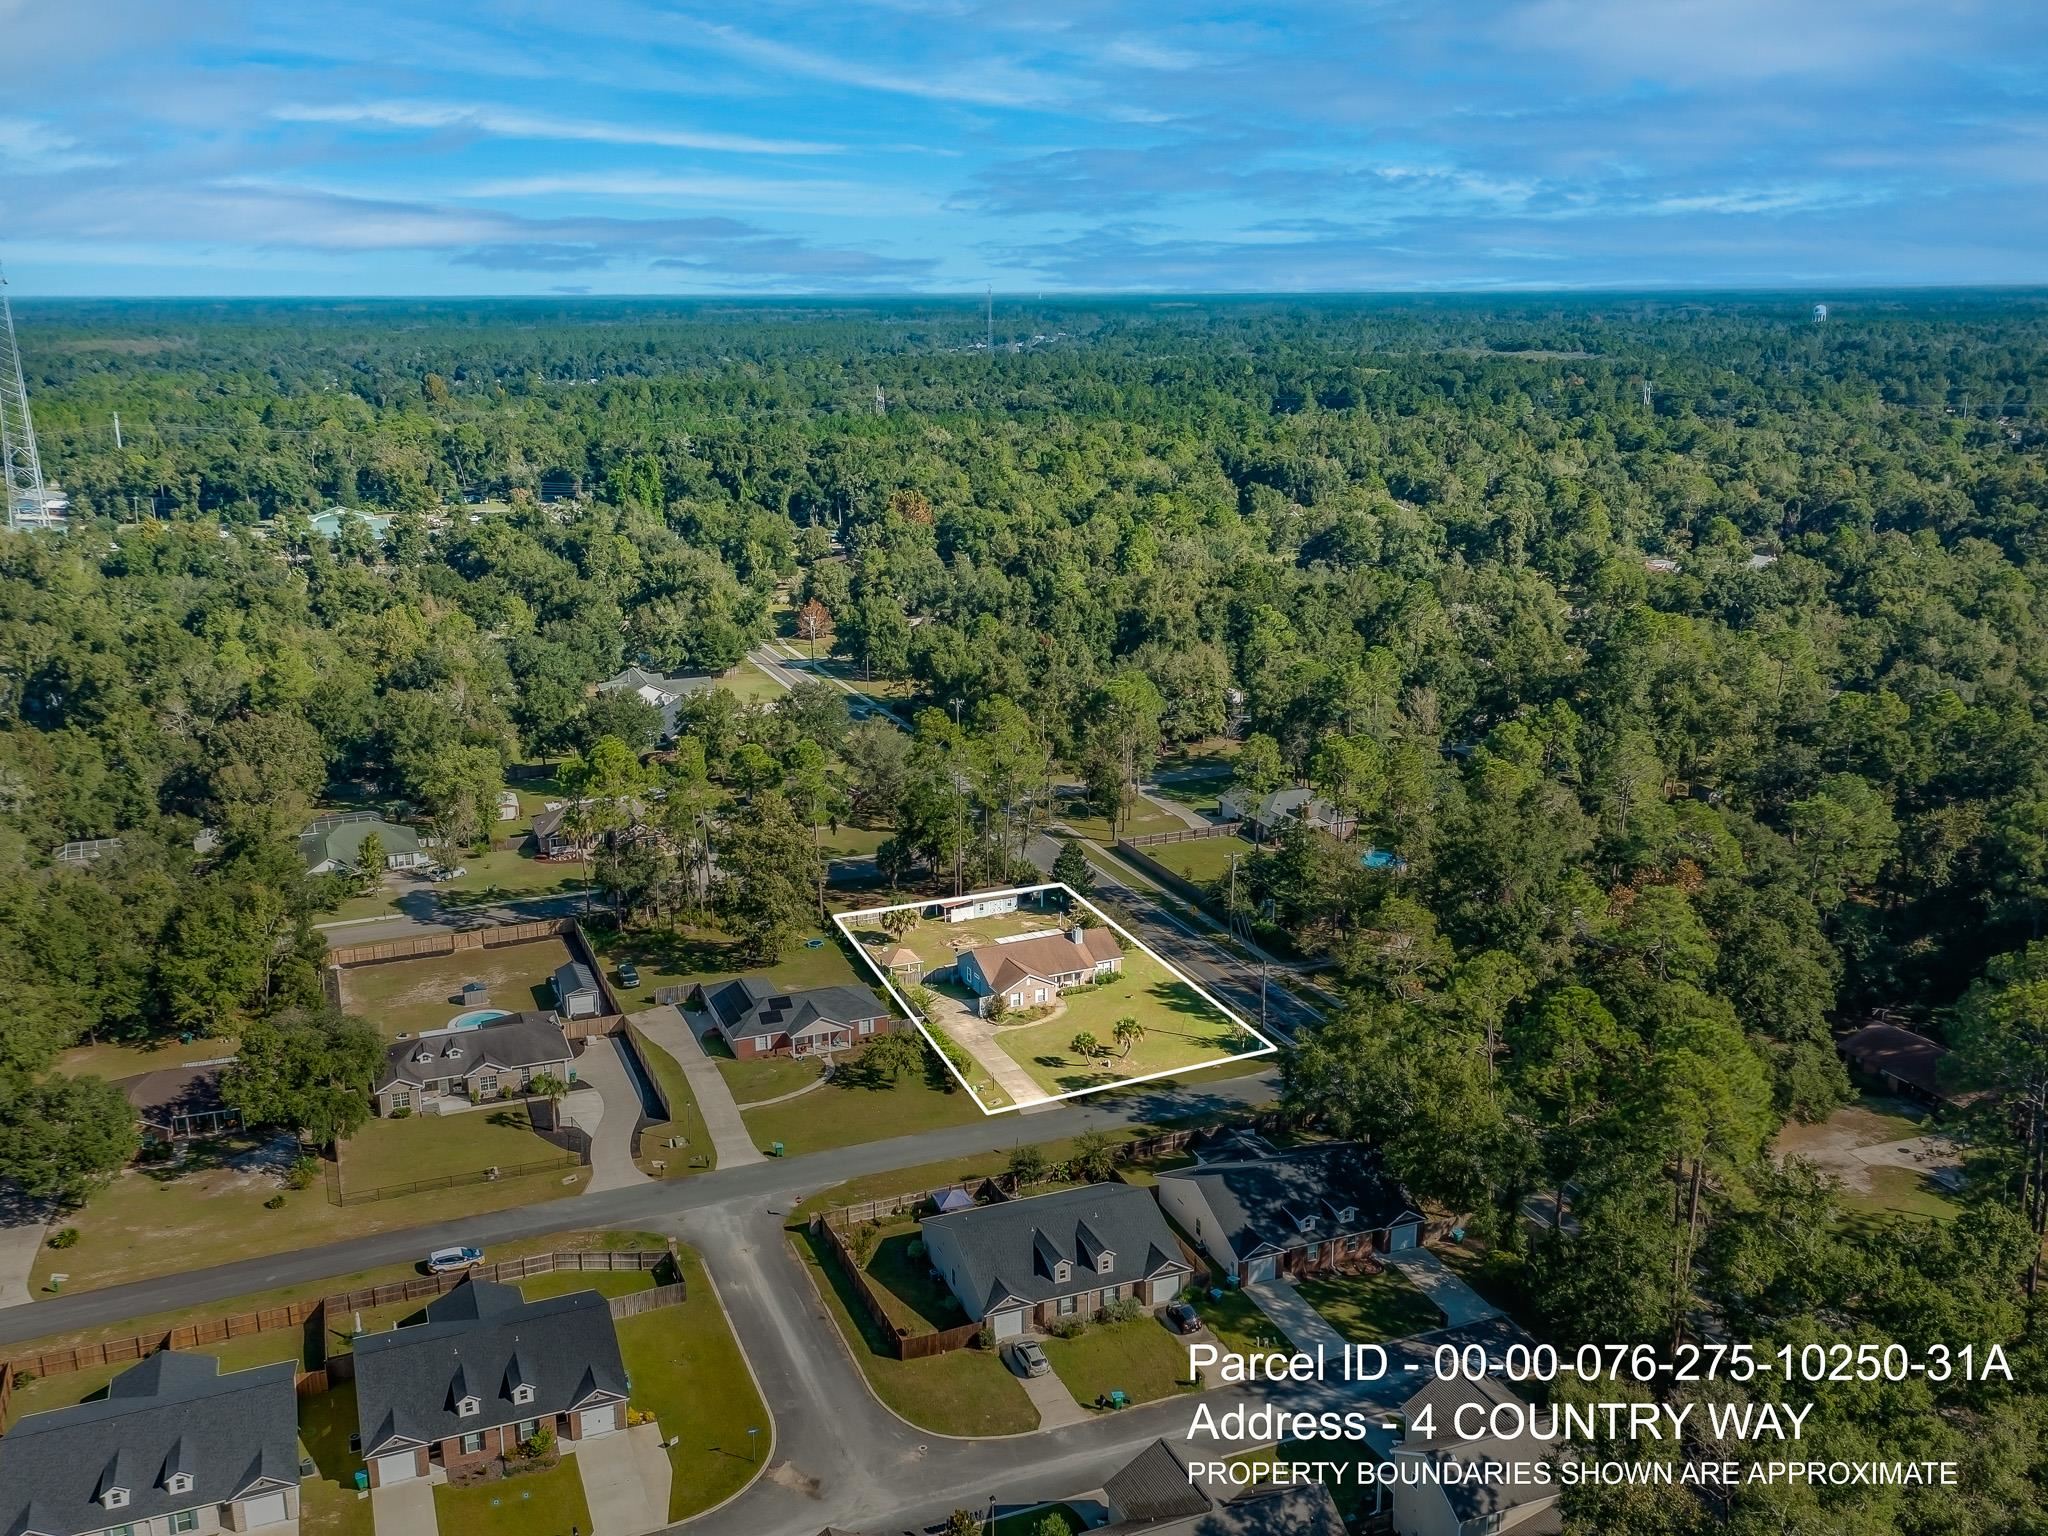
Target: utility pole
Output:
[
  {"x": 881, "y": 402},
  {"x": 1646, "y": 394},
  {"x": 989, "y": 320},
  {"x": 117, "y": 429}
]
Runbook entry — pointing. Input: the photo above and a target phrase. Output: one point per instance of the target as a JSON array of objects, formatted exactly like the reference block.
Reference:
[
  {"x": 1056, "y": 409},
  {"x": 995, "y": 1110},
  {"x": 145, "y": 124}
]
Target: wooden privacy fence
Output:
[
  {"x": 901, "y": 1341},
  {"x": 633, "y": 1303},
  {"x": 449, "y": 941},
  {"x": 909, "y": 1203},
  {"x": 297, "y": 1314}
]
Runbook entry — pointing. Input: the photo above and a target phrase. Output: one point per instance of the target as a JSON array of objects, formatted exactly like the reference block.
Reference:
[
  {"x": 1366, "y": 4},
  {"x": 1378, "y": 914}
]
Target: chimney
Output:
[{"x": 1077, "y": 936}]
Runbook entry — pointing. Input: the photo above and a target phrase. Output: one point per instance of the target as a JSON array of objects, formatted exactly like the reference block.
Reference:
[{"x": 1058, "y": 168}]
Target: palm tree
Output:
[
  {"x": 546, "y": 1085},
  {"x": 1085, "y": 1045},
  {"x": 1128, "y": 1033}
]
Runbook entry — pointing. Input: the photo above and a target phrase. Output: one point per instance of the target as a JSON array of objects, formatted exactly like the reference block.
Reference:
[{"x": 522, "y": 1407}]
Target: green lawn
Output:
[
  {"x": 753, "y": 686},
  {"x": 412, "y": 996},
  {"x": 686, "y": 1368},
  {"x": 1202, "y": 859},
  {"x": 963, "y": 1392},
  {"x": 531, "y": 1504},
  {"x": 211, "y": 1210},
  {"x": 328, "y": 1502},
  {"x": 858, "y": 1106},
  {"x": 1901, "y": 1192},
  {"x": 902, "y": 1274},
  {"x": 1371, "y": 1309},
  {"x": 1031, "y": 1521},
  {"x": 115, "y": 1060},
  {"x": 766, "y": 1077},
  {"x": 855, "y": 842},
  {"x": 504, "y": 872},
  {"x": 606, "y": 1282},
  {"x": 390, "y": 1151},
  {"x": 1140, "y": 816},
  {"x": 1140, "y": 1358},
  {"x": 695, "y": 953},
  {"x": 697, "y": 1154},
  {"x": 1181, "y": 1030}
]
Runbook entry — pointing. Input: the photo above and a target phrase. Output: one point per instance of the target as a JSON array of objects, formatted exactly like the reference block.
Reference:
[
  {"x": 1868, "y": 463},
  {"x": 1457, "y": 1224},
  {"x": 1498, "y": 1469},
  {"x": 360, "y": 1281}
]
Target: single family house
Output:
[
  {"x": 1023, "y": 1264},
  {"x": 173, "y": 1447},
  {"x": 493, "y": 1060},
  {"x": 484, "y": 1373},
  {"x": 1034, "y": 971},
  {"x": 978, "y": 906},
  {"x": 334, "y": 844},
  {"x": 1478, "y": 1484},
  {"x": 1296, "y": 1213},
  {"x": 1266, "y": 816},
  {"x": 1152, "y": 1495},
  {"x": 1898, "y": 1060},
  {"x": 664, "y": 693},
  {"x": 757, "y": 1018},
  {"x": 179, "y": 1103},
  {"x": 573, "y": 829},
  {"x": 577, "y": 994}
]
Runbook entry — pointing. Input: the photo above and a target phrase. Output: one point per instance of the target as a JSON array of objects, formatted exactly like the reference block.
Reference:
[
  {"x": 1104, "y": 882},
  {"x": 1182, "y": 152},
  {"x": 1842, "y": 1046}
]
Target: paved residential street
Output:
[{"x": 773, "y": 1182}]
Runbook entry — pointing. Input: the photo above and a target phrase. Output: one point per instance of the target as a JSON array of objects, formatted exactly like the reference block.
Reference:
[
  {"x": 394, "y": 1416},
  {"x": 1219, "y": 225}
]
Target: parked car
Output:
[
  {"x": 444, "y": 1261},
  {"x": 629, "y": 974},
  {"x": 1027, "y": 1359},
  {"x": 1182, "y": 1318}
]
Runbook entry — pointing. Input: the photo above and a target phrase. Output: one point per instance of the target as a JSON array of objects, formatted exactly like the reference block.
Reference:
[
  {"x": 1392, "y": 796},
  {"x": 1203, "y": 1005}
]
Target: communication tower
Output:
[
  {"x": 26, "y": 503},
  {"x": 1820, "y": 314}
]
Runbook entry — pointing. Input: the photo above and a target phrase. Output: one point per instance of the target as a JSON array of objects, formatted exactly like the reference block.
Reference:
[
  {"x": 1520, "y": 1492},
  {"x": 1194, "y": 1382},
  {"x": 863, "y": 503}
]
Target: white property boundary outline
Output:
[{"x": 1265, "y": 1047}]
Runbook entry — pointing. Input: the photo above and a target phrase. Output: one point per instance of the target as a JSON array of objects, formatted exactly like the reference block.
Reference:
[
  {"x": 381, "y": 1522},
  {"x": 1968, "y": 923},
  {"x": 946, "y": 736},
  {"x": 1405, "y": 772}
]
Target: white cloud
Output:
[
  {"x": 36, "y": 146},
  {"x": 730, "y": 191},
  {"x": 986, "y": 83},
  {"x": 497, "y": 121}
]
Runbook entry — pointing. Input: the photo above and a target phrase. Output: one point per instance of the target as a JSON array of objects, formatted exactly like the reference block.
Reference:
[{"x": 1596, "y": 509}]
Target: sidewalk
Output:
[
  {"x": 1458, "y": 1302},
  {"x": 667, "y": 1028}
]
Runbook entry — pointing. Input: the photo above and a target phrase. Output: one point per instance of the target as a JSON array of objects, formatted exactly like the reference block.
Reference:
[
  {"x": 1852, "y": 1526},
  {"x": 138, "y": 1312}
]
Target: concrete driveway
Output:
[
  {"x": 669, "y": 1028},
  {"x": 1458, "y": 1302},
  {"x": 608, "y": 1109},
  {"x": 625, "y": 1480},
  {"x": 22, "y": 1224},
  {"x": 1302, "y": 1323},
  {"x": 405, "y": 1509},
  {"x": 1055, "y": 1404}
]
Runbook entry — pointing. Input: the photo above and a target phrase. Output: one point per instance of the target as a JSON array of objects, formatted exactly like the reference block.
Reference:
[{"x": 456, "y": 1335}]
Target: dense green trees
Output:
[{"x": 1694, "y": 730}]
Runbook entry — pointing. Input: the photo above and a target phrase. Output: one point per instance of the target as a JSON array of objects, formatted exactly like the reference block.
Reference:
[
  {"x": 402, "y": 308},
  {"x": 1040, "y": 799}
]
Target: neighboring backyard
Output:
[
  {"x": 693, "y": 953},
  {"x": 414, "y": 996},
  {"x": 1202, "y": 859},
  {"x": 685, "y": 1123},
  {"x": 863, "y": 1104},
  {"x": 1888, "y": 1154},
  {"x": 963, "y": 1392}
]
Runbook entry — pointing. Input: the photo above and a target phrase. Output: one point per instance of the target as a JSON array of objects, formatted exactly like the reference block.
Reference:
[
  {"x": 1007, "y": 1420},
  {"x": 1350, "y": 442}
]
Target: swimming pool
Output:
[{"x": 474, "y": 1017}]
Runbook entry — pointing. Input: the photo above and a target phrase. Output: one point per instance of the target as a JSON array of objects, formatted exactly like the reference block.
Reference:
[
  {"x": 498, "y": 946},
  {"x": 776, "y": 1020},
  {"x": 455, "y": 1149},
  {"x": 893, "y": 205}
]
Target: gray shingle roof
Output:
[
  {"x": 1256, "y": 1201},
  {"x": 754, "y": 1005},
  {"x": 1154, "y": 1485},
  {"x": 1476, "y": 1496},
  {"x": 517, "y": 1040},
  {"x": 1009, "y": 1249},
  {"x": 573, "y": 977},
  {"x": 174, "y": 1412},
  {"x": 1152, "y": 1495},
  {"x": 483, "y": 1339}
]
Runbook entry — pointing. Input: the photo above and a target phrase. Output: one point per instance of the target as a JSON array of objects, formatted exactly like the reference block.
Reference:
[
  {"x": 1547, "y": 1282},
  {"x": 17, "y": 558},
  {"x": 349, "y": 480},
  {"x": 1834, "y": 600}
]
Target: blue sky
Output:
[{"x": 612, "y": 146}]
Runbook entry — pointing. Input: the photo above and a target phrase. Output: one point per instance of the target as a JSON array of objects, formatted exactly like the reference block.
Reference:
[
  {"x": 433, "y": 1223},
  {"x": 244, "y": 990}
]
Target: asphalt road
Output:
[
  {"x": 841, "y": 1458},
  {"x": 777, "y": 1183}
]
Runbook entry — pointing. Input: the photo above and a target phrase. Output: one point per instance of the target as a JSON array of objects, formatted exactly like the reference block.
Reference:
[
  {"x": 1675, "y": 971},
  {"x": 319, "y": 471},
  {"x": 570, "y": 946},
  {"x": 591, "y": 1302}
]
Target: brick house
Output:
[
  {"x": 1298, "y": 1212},
  {"x": 482, "y": 1375},
  {"x": 497, "y": 1059},
  {"x": 174, "y": 1448},
  {"x": 757, "y": 1018},
  {"x": 1032, "y": 972},
  {"x": 1024, "y": 1264}
]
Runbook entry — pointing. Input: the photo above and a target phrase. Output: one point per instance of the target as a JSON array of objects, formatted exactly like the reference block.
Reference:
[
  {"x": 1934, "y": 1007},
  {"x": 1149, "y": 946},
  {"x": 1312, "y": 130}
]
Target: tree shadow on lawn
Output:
[{"x": 907, "y": 1276}]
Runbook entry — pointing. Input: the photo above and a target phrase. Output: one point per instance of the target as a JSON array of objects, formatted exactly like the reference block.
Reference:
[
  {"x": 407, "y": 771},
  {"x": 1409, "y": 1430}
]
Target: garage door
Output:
[
  {"x": 1164, "y": 1291},
  {"x": 267, "y": 1510},
  {"x": 1008, "y": 1325},
  {"x": 1400, "y": 1239},
  {"x": 402, "y": 1468},
  {"x": 1261, "y": 1269},
  {"x": 600, "y": 1421}
]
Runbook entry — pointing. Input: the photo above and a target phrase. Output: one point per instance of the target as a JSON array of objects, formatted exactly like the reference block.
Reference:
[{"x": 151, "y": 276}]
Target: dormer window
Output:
[
  {"x": 1062, "y": 1272},
  {"x": 1348, "y": 1215},
  {"x": 468, "y": 1406},
  {"x": 522, "y": 1394},
  {"x": 115, "y": 1498},
  {"x": 454, "y": 1052},
  {"x": 1105, "y": 1264},
  {"x": 178, "y": 1482}
]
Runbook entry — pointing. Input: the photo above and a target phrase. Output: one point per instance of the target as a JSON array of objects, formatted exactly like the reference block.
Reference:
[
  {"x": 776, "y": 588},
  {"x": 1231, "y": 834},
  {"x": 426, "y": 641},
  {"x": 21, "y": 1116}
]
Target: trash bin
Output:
[
  {"x": 362, "y": 1480},
  {"x": 776, "y": 1150}
]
